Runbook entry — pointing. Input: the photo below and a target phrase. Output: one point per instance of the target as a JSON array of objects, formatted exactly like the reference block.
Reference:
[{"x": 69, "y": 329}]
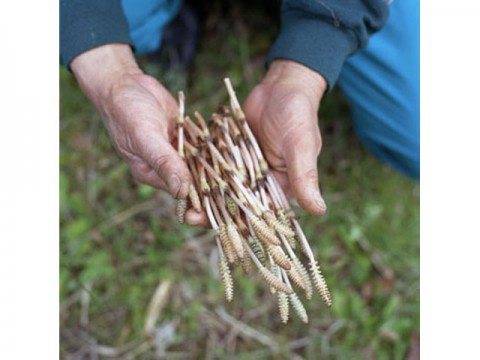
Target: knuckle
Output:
[
  {"x": 160, "y": 164},
  {"x": 311, "y": 174},
  {"x": 124, "y": 151},
  {"x": 125, "y": 148},
  {"x": 308, "y": 176}
]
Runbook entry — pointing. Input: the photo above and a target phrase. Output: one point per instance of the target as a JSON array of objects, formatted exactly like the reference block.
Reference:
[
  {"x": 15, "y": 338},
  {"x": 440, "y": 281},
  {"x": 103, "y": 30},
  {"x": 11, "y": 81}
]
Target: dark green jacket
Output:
[{"x": 316, "y": 33}]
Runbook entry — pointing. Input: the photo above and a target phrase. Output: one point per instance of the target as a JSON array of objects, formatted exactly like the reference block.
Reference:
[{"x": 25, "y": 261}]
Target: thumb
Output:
[
  {"x": 165, "y": 161},
  {"x": 302, "y": 147}
]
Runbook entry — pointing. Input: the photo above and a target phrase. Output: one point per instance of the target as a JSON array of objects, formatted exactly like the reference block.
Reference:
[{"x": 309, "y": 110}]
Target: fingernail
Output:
[
  {"x": 319, "y": 201},
  {"x": 174, "y": 185}
]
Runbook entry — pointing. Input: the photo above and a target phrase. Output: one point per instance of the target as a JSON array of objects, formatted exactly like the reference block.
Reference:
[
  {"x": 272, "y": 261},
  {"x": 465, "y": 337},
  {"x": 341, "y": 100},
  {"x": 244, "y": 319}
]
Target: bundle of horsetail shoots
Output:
[{"x": 247, "y": 209}]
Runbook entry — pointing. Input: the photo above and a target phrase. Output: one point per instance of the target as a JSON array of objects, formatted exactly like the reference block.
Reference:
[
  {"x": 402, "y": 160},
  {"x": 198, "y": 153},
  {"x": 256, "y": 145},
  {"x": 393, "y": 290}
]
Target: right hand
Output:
[
  {"x": 282, "y": 111},
  {"x": 139, "y": 114}
]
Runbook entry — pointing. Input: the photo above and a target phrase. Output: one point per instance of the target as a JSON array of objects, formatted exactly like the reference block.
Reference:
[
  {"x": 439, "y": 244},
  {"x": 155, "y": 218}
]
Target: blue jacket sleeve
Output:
[
  {"x": 322, "y": 34},
  {"x": 86, "y": 24}
]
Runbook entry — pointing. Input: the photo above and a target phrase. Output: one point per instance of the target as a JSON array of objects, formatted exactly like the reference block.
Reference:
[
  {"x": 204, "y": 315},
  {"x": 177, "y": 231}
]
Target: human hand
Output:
[
  {"x": 282, "y": 112},
  {"x": 139, "y": 114}
]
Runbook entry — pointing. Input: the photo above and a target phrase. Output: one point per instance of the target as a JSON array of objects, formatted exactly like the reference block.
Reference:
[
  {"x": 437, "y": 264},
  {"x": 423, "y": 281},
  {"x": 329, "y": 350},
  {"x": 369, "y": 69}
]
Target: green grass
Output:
[{"x": 119, "y": 240}]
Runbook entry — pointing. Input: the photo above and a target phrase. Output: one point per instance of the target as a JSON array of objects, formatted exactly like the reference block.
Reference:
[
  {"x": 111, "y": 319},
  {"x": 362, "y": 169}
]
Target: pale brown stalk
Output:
[
  {"x": 303, "y": 241},
  {"x": 228, "y": 159},
  {"x": 266, "y": 199},
  {"x": 181, "y": 115},
  {"x": 234, "y": 149},
  {"x": 240, "y": 116},
  {"x": 244, "y": 196},
  {"x": 192, "y": 150},
  {"x": 248, "y": 193},
  {"x": 222, "y": 184},
  {"x": 238, "y": 220},
  {"x": 181, "y": 207},
  {"x": 204, "y": 186},
  {"x": 194, "y": 170},
  {"x": 246, "y": 207},
  {"x": 255, "y": 161},
  {"x": 214, "y": 220},
  {"x": 203, "y": 124},
  {"x": 193, "y": 130},
  {"x": 237, "y": 135},
  {"x": 216, "y": 120},
  {"x": 221, "y": 160},
  {"x": 247, "y": 159}
]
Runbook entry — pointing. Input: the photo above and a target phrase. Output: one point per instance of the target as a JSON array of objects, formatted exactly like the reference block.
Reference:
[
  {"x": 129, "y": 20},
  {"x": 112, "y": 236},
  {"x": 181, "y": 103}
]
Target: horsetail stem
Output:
[{"x": 245, "y": 206}]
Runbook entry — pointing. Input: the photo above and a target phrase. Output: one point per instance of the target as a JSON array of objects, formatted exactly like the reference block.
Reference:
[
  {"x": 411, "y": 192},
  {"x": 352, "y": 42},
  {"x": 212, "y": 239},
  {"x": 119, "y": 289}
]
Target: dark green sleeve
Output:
[
  {"x": 86, "y": 24},
  {"x": 322, "y": 34}
]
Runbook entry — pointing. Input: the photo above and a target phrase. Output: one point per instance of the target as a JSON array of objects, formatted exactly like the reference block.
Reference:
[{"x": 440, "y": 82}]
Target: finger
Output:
[
  {"x": 168, "y": 165},
  {"x": 253, "y": 106},
  {"x": 197, "y": 218},
  {"x": 301, "y": 151},
  {"x": 145, "y": 175},
  {"x": 165, "y": 100}
]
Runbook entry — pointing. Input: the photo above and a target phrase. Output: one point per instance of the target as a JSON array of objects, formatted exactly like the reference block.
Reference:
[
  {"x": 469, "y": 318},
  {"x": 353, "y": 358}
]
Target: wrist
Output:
[
  {"x": 98, "y": 69},
  {"x": 297, "y": 75}
]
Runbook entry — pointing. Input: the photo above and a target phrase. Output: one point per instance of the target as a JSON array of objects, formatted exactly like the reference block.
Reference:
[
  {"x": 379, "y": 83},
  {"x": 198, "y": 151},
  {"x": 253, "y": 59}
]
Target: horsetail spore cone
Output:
[{"x": 253, "y": 221}]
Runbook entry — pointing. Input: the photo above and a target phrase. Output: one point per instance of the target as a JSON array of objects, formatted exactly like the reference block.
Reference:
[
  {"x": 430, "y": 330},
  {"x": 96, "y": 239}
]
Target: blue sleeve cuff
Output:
[
  {"x": 319, "y": 45},
  {"x": 87, "y": 24}
]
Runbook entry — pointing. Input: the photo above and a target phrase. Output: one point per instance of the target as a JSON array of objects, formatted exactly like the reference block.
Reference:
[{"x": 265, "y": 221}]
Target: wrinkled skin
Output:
[
  {"x": 282, "y": 111},
  {"x": 138, "y": 117},
  {"x": 139, "y": 114}
]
